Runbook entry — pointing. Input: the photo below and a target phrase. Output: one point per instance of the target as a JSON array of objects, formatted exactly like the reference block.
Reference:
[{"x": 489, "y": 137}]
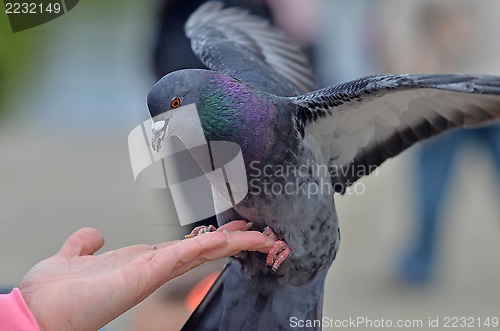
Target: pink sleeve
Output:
[{"x": 14, "y": 313}]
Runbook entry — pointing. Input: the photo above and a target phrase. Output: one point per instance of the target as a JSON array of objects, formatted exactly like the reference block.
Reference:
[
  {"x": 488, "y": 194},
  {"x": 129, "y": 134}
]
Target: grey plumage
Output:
[
  {"x": 362, "y": 123},
  {"x": 221, "y": 39},
  {"x": 254, "y": 96}
]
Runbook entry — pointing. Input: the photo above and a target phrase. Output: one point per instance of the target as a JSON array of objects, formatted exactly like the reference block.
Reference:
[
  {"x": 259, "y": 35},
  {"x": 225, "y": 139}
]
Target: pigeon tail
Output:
[{"x": 239, "y": 302}]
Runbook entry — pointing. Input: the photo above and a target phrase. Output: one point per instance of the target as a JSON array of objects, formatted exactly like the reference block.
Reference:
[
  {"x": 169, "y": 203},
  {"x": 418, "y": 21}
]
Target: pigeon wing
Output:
[
  {"x": 247, "y": 48},
  {"x": 360, "y": 124}
]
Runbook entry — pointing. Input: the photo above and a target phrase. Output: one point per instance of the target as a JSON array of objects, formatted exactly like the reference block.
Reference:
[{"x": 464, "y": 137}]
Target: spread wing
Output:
[
  {"x": 247, "y": 48},
  {"x": 360, "y": 124}
]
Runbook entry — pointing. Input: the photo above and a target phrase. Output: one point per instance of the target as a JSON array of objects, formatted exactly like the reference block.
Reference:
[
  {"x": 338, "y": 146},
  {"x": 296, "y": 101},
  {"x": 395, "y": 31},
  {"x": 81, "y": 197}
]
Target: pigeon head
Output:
[
  {"x": 173, "y": 91},
  {"x": 226, "y": 110}
]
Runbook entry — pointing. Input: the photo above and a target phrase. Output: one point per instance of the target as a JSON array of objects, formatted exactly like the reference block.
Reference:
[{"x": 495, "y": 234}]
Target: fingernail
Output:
[
  {"x": 225, "y": 232},
  {"x": 269, "y": 242},
  {"x": 248, "y": 226}
]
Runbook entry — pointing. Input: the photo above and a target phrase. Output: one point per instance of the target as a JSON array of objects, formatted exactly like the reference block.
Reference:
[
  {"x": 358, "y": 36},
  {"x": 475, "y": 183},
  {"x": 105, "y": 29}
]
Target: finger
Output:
[
  {"x": 240, "y": 241},
  {"x": 235, "y": 242},
  {"x": 181, "y": 256},
  {"x": 185, "y": 251},
  {"x": 235, "y": 226},
  {"x": 84, "y": 241},
  {"x": 126, "y": 254},
  {"x": 164, "y": 244},
  {"x": 190, "y": 249},
  {"x": 144, "y": 248}
]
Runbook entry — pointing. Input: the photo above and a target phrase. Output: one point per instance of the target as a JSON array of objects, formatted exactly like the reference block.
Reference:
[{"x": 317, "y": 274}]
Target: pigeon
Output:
[{"x": 300, "y": 146}]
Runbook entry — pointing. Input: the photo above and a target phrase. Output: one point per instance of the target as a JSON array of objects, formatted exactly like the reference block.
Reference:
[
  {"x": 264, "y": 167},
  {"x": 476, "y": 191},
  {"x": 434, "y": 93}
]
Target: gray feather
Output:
[
  {"x": 248, "y": 48},
  {"x": 360, "y": 124},
  {"x": 239, "y": 302}
]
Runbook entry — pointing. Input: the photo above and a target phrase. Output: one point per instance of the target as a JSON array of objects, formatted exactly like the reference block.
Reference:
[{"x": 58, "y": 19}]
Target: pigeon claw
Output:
[
  {"x": 199, "y": 230},
  {"x": 277, "y": 254}
]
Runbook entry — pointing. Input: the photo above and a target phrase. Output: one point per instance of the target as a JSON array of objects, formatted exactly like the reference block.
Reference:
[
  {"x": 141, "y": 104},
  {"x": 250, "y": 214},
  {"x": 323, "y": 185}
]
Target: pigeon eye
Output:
[{"x": 176, "y": 102}]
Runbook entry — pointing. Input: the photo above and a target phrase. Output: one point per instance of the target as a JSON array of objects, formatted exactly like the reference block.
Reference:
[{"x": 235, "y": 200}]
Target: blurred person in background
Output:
[
  {"x": 447, "y": 35},
  {"x": 445, "y": 38},
  {"x": 172, "y": 49}
]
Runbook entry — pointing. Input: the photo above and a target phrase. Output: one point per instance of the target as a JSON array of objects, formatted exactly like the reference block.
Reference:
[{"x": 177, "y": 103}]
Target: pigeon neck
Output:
[{"x": 235, "y": 112}]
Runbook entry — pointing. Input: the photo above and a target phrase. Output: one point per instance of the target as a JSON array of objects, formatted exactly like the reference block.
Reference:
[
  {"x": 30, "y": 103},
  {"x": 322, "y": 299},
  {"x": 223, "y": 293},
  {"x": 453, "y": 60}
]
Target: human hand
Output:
[{"x": 76, "y": 290}]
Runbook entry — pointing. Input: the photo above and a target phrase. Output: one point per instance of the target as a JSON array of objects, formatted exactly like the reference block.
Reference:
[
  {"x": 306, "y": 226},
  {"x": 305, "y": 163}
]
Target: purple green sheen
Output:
[{"x": 232, "y": 111}]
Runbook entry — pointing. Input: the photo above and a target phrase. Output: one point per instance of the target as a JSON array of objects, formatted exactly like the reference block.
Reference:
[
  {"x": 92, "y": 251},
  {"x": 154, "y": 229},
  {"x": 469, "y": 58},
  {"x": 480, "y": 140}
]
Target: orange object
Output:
[{"x": 197, "y": 294}]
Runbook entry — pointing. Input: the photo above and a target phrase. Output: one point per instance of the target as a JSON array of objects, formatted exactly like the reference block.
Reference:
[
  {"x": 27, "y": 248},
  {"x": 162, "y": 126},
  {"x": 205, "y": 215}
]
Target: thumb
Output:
[{"x": 85, "y": 241}]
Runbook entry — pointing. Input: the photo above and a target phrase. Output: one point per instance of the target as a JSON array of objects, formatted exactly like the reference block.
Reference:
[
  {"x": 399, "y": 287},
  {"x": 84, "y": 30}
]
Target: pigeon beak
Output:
[{"x": 159, "y": 130}]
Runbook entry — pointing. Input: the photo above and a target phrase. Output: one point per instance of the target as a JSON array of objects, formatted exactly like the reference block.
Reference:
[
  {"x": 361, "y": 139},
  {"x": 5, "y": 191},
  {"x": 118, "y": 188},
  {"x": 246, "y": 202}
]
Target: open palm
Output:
[{"x": 76, "y": 290}]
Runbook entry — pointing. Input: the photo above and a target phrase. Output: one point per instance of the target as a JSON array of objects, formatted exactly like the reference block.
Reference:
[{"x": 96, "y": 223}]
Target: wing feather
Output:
[
  {"x": 360, "y": 124},
  {"x": 247, "y": 48}
]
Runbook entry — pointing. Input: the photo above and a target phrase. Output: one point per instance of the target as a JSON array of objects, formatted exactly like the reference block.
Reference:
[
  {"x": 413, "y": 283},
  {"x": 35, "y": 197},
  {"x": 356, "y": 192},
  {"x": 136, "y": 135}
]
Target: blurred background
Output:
[{"x": 420, "y": 236}]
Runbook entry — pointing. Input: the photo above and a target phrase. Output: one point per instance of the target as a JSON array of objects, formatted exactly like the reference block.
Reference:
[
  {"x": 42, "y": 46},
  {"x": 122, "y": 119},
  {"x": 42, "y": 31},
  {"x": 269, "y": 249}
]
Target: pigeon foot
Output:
[
  {"x": 278, "y": 253},
  {"x": 199, "y": 230}
]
